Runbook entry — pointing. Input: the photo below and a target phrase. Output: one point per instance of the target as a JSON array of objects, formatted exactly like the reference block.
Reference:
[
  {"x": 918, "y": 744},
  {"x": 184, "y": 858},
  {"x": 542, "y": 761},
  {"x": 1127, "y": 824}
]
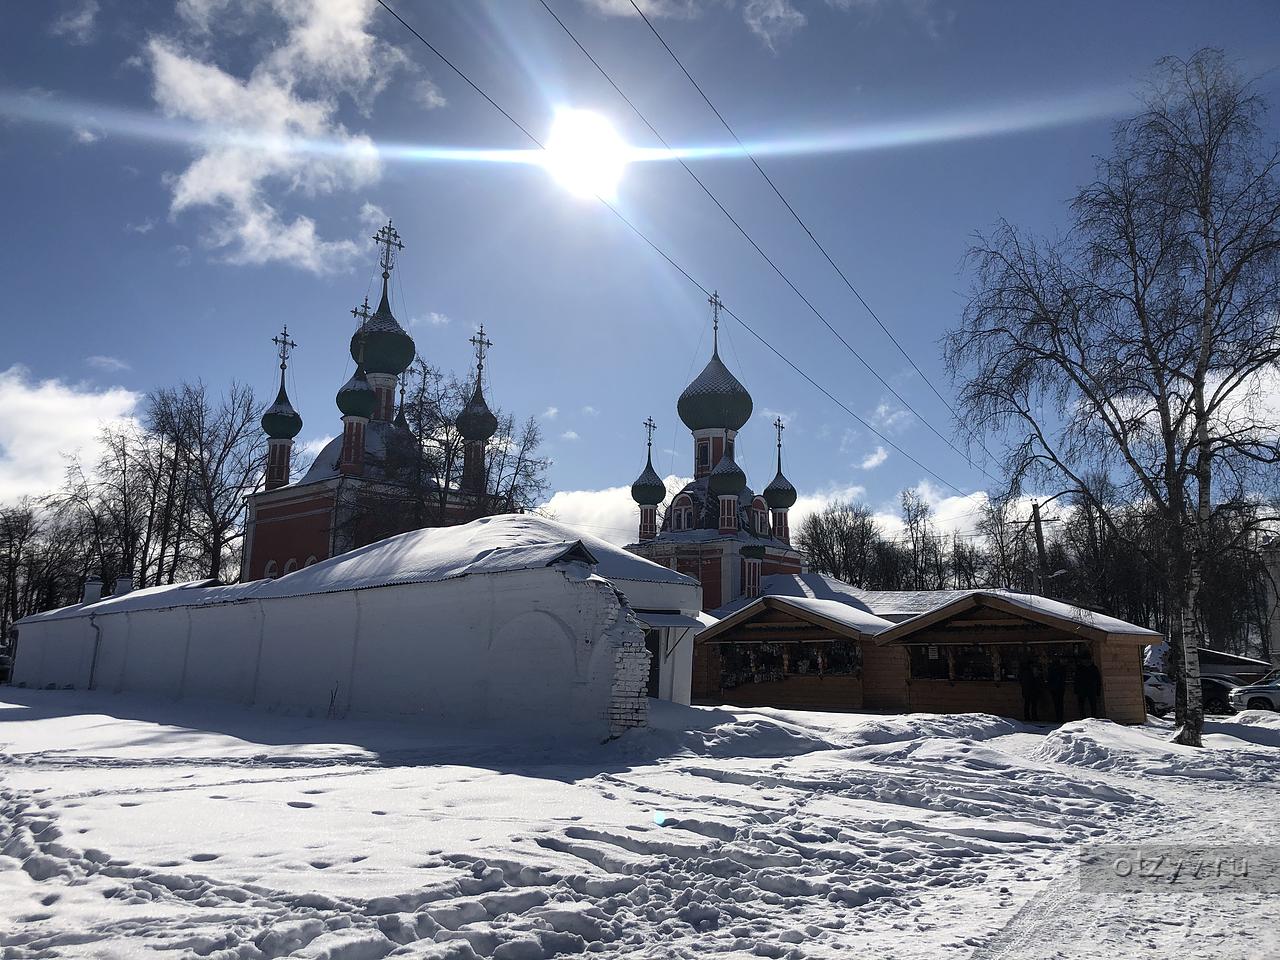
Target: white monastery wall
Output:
[{"x": 550, "y": 648}]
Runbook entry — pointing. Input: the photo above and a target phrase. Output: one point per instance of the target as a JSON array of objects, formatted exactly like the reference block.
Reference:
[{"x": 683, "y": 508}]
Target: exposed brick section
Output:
[{"x": 628, "y": 705}]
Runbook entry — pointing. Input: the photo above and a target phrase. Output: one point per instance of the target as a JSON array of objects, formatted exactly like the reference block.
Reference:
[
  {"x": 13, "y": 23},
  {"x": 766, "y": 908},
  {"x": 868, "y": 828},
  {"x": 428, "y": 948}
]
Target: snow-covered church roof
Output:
[{"x": 498, "y": 544}]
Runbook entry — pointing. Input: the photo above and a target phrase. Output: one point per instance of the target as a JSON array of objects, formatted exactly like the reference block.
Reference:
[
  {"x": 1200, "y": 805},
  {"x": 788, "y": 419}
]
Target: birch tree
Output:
[{"x": 1143, "y": 346}]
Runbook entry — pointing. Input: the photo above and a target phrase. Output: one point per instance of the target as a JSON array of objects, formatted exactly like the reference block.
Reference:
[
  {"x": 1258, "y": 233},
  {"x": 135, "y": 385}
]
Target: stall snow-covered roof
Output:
[
  {"x": 843, "y": 619},
  {"x": 906, "y": 607},
  {"x": 1065, "y": 616},
  {"x": 490, "y": 545}
]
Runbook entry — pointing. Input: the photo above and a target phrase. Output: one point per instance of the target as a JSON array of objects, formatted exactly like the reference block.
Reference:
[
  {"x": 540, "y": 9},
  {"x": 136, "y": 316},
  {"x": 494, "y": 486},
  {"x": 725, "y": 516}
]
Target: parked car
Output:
[
  {"x": 1257, "y": 696},
  {"x": 1158, "y": 691},
  {"x": 1215, "y": 693}
]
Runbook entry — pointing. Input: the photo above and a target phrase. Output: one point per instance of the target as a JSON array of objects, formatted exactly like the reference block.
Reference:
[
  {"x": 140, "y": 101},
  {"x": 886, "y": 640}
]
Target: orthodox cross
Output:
[
  {"x": 716, "y": 305},
  {"x": 389, "y": 240},
  {"x": 779, "y": 426},
  {"x": 482, "y": 345},
  {"x": 649, "y": 427},
  {"x": 362, "y": 313},
  {"x": 283, "y": 346}
]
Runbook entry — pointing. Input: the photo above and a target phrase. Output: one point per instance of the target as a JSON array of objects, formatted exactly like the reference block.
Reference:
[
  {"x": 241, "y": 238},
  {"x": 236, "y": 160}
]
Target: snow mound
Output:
[
  {"x": 720, "y": 732},
  {"x": 1103, "y": 745},
  {"x": 862, "y": 729}
]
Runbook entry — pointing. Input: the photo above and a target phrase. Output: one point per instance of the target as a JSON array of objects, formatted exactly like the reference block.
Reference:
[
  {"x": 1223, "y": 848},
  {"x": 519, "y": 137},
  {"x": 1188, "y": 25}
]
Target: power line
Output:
[
  {"x": 804, "y": 226},
  {"x": 676, "y": 266},
  {"x": 758, "y": 249}
]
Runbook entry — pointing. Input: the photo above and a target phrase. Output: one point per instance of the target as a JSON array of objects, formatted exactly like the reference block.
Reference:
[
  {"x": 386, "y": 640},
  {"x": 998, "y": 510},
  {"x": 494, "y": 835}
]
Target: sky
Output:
[{"x": 181, "y": 178}]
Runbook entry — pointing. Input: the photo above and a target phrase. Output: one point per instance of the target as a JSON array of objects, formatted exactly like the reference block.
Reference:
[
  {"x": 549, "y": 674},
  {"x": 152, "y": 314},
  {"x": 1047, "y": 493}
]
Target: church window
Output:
[
  {"x": 704, "y": 454},
  {"x": 272, "y": 570},
  {"x": 728, "y": 513},
  {"x": 290, "y": 565},
  {"x": 310, "y": 560}
]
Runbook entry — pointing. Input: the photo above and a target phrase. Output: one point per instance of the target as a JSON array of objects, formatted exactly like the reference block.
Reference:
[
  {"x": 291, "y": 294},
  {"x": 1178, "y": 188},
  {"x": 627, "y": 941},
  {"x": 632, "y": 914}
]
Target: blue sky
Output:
[{"x": 143, "y": 245}]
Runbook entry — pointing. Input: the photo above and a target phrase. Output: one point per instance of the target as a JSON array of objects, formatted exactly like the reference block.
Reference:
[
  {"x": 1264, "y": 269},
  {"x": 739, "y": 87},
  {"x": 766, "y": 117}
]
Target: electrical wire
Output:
[
  {"x": 676, "y": 266},
  {"x": 751, "y": 240},
  {"x": 804, "y": 226}
]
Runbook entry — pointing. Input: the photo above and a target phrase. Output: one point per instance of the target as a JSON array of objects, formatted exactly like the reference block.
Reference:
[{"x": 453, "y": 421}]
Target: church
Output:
[
  {"x": 717, "y": 529},
  {"x": 293, "y": 524}
]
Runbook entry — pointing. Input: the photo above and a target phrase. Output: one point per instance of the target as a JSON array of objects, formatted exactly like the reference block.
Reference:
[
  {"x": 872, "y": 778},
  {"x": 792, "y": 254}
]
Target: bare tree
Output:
[
  {"x": 223, "y": 454},
  {"x": 1141, "y": 346}
]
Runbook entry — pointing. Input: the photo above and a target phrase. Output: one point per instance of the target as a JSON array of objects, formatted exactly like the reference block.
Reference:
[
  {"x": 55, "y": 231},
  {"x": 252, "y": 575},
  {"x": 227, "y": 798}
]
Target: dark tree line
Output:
[
  {"x": 1115, "y": 568},
  {"x": 164, "y": 501}
]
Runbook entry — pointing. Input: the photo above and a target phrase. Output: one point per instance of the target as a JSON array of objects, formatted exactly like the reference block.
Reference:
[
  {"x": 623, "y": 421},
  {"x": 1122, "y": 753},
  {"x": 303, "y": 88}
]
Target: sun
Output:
[{"x": 585, "y": 154}]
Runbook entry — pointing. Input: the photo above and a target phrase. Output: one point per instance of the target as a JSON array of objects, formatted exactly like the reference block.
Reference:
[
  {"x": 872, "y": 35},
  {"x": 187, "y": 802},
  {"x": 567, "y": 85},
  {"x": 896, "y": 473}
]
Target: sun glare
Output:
[{"x": 585, "y": 154}]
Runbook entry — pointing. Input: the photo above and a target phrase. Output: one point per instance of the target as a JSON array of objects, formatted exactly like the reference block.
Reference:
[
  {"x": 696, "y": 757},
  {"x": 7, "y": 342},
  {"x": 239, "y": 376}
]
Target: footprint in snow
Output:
[
  {"x": 310, "y": 792},
  {"x": 204, "y": 857},
  {"x": 130, "y": 803},
  {"x": 301, "y": 804},
  {"x": 321, "y": 864},
  {"x": 378, "y": 813}
]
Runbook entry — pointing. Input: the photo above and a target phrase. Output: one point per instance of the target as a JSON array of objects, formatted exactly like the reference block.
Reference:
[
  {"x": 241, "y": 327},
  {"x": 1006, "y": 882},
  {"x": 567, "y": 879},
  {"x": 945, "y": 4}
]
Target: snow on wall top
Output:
[{"x": 490, "y": 545}]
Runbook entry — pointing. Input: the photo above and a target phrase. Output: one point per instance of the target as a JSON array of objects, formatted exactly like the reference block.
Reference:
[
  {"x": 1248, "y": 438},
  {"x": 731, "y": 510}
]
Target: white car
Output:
[
  {"x": 1159, "y": 692},
  {"x": 1257, "y": 696}
]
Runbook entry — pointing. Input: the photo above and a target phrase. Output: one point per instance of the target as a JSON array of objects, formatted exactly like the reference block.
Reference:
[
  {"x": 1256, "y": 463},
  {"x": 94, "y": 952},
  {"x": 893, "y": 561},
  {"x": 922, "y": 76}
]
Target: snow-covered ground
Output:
[{"x": 130, "y": 826}]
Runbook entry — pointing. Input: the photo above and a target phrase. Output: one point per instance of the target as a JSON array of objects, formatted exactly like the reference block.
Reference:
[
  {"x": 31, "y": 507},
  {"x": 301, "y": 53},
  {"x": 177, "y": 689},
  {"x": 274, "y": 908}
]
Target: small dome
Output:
[
  {"x": 356, "y": 398},
  {"x": 381, "y": 344},
  {"x": 476, "y": 422},
  {"x": 780, "y": 494},
  {"x": 727, "y": 478},
  {"x": 280, "y": 421},
  {"x": 648, "y": 490},
  {"x": 715, "y": 398}
]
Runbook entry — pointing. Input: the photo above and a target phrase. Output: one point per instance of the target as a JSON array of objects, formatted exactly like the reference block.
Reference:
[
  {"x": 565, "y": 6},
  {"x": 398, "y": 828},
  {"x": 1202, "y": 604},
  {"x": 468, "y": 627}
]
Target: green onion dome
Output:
[
  {"x": 280, "y": 421},
  {"x": 356, "y": 398},
  {"x": 715, "y": 398},
  {"x": 476, "y": 422},
  {"x": 648, "y": 490},
  {"x": 380, "y": 344},
  {"x": 780, "y": 494},
  {"x": 727, "y": 478}
]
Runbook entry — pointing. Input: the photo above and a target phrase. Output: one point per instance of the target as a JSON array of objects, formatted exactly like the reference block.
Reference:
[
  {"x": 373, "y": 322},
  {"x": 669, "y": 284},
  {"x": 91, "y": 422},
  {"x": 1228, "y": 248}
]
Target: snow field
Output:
[{"x": 200, "y": 830}]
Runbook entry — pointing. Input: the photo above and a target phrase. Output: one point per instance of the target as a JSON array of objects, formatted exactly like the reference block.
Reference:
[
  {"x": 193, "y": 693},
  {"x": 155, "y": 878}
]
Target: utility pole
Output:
[{"x": 1042, "y": 561}]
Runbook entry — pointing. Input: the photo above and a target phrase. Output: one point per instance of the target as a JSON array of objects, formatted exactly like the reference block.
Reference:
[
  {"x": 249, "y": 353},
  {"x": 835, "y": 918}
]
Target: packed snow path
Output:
[{"x": 129, "y": 826}]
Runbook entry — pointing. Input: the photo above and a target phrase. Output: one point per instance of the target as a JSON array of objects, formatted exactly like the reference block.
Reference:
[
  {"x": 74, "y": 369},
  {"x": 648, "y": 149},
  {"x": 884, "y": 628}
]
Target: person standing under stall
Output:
[
  {"x": 1030, "y": 680},
  {"x": 1056, "y": 681},
  {"x": 1088, "y": 686}
]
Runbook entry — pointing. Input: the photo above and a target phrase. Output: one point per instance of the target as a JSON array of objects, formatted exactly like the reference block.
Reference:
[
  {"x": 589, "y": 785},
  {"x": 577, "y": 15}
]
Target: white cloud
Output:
[
  {"x": 433, "y": 319},
  {"x": 78, "y": 24},
  {"x": 590, "y": 411},
  {"x": 41, "y": 422},
  {"x": 308, "y": 450},
  {"x": 609, "y": 514},
  {"x": 550, "y": 413},
  {"x": 819, "y": 500},
  {"x": 772, "y": 20},
  {"x": 255, "y": 148},
  {"x": 875, "y": 458},
  {"x": 146, "y": 226},
  {"x": 429, "y": 96},
  {"x": 893, "y": 418},
  {"x": 569, "y": 435},
  {"x": 110, "y": 364},
  {"x": 86, "y": 136}
]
